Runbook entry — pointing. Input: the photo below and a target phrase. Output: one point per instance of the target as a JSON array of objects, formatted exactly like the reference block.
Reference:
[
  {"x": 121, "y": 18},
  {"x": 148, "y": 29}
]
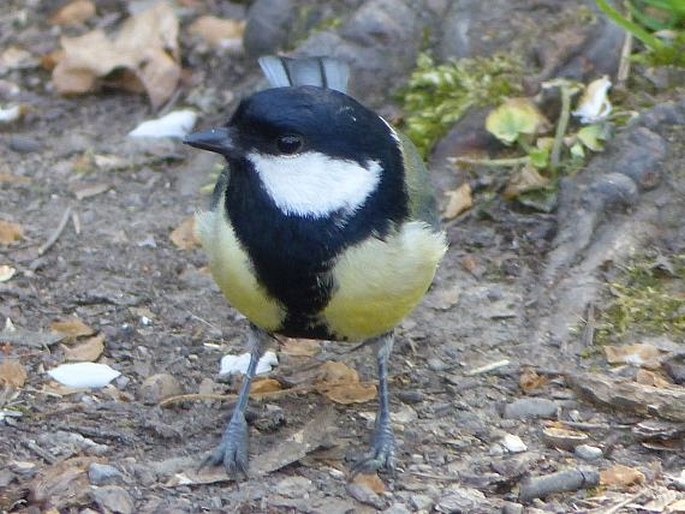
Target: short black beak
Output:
[{"x": 215, "y": 140}]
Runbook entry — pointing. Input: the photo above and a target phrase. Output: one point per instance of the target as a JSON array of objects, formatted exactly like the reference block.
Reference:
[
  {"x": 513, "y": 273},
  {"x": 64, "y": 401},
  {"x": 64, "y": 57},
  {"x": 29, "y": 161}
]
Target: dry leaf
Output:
[
  {"x": 620, "y": 475},
  {"x": 71, "y": 327},
  {"x": 82, "y": 191},
  {"x": 10, "y": 232},
  {"x": 340, "y": 383},
  {"x": 637, "y": 354},
  {"x": 12, "y": 373},
  {"x": 184, "y": 236},
  {"x": 16, "y": 58},
  {"x": 371, "y": 481},
  {"x": 650, "y": 378},
  {"x": 347, "y": 394},
  {"x": 89, "y": 350},
  {"x": 301, "y": 347},
  {"x": 676, "y": 507},
  {"x": 530, "y": 380},
  {"x": 145, "y": 54},
  {"x": 459, "y": 201},
  {"x": 6, "y": 272},
  {"x": 73, "y": 13},
  {"x": 265, "y": 385},
  {"x": 218, "y": 32},
  {"x": 526, "y": 179},
  {"x": 332, "y": 372}
]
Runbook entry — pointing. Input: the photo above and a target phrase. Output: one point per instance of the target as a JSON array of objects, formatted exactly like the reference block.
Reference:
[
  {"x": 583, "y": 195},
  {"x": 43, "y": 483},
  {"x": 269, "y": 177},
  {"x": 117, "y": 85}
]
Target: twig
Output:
[
  {"x": 562, "y": 481},
  {"x": 624, "y": 63},
  {"x": 625, "y": 502},
  {"x": 444, "y": 478},
  {"x": 57, "y": 233},
  {"x": 45, "y": 455},
  {"x": 589, "y": 328},
  {"x": 488, "y": 367},
  {"x": 562, "y": 125},
  {"x": 227, "y": 397},
  {"x": 514, "y": 161}
]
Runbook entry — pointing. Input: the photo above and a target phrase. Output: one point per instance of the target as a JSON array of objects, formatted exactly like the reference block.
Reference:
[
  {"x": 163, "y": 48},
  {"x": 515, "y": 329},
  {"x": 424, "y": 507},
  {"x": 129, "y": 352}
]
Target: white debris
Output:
[
  {"x": 84, "y": 374},
  {"x": 513, "y": 443},
  {"x": 176, "y": 124},
  {"x": 239, "y": 363},
  {"x": 11, "y": 114},
  {"x": 594, "y": 104}
]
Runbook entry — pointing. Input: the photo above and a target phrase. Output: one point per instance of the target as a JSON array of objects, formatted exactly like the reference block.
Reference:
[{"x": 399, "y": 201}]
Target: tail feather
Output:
[{"x": 323, "y": 72}]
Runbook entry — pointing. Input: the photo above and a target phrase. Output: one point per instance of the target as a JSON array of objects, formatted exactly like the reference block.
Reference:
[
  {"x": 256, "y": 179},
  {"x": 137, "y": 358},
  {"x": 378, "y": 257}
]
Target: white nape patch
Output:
[
  {"x": 315, "y": 185},
  {"x": 393, "y": 133}
]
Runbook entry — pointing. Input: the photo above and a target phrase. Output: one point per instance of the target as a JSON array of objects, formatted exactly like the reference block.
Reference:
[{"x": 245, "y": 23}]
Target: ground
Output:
[{"x": 477, "y": 381}]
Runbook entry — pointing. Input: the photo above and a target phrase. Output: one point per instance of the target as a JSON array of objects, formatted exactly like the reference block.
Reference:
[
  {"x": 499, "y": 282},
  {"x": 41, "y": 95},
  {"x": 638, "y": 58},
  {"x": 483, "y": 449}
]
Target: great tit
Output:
[{"x": 322, "y": 225}]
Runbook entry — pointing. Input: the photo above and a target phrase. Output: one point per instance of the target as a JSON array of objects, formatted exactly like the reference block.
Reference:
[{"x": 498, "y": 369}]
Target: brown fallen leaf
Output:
[
  {"x": 637, "y": 354},
  {"x": 372, "y": 481},
  {"x": 62, "y": 485},
  {"x": 530, "y": 380},
  {"x": 300, "y": 347},
  {"x": 10, "y": 232},
  {"x": 650, "y": 378},
  {"x": 88, "y": 350},
  {"x": 458, "y": 201},
  {"x": 144, "y": 53},
  {"x": 218, "y": 32},
  {"x": 73, "y": 13},
  {"x": 71, "y": 328},
  {"x": 341, "y": 384},
  {"x": 526, "y": 179},
  {"x": 184, "y": 236},
  {"x": 12, "y": 373},
  {"x": 621, "y": 476},
  {"x": 265, "y": 385}
]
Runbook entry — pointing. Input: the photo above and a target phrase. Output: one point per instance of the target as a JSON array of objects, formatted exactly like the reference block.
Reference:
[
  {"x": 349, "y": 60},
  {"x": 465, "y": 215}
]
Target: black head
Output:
[{"x": 290, "y": 120}]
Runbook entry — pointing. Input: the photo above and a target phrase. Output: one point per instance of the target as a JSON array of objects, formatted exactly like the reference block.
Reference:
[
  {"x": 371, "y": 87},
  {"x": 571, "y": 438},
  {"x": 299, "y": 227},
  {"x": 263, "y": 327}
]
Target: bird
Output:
[{"x": 322, "y": 225}]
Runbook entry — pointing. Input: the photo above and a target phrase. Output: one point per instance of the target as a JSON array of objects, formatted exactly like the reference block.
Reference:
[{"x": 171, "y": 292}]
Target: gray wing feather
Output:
[{"x": 324, "y": 72}]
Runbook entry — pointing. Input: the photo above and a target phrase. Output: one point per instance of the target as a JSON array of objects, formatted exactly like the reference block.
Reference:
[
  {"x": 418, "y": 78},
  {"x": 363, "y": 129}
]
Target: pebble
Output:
[
  {"x": 104, "y": 474},
  {"x": 156, "y": 388},
  {"x": 513, "y": 443},
  {"x": 674, "y": 366},
  {"x": 530, "y": 408},
  {"x": 587, "y": 452},
  {"x": 461, "y": 500},
  {"x": 411, "y": 396},
  {"x": 435, "y": 364},
  {"x": 112, "y": 498},
  {"x": 364, "y": 494},
  {"x": 24, "y": 144},
  {"x": 512, "y": 508},
  {"x": 294, "y": 487},
  {"x": 421, "y": 501},
  {"x": 397, "y": 508}
]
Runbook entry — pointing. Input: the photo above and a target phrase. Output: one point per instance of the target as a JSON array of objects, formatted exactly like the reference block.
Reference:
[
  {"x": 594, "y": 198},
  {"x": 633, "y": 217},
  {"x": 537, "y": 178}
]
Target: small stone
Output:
[
  {"x": 294, "y": 487},
  {"x": 112, "y": 498},
  {"x": 587, "y": 452},
  {"x": 364, "y": 494},
  {"x": 527, "y": 408},
  {"x": 397, "y": 508},
  {"x": 24, "y": 144},
  {"x": 461, "y": 500},
  {"x": 421, "y": 501},
  {"x": 674, "y": 366},
  {"x": 411, "y": 396},
  {"x": 512, "y": 508},
  {"x": 435, "y": 364},
  {"x": 513, "y": 443},
  {"x": 104, "y": 474},
  {"x": 156, "y": 388}
]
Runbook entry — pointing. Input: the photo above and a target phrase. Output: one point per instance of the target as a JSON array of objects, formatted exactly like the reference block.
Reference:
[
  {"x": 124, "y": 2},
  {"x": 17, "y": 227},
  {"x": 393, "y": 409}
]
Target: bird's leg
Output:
[
  {"x": 232, "y": 451},
  {"x": 382, "y": 454}
]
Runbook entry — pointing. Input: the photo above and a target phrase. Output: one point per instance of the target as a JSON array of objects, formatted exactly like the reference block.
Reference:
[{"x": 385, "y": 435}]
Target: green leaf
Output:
[
  {"x": 591, "y": 136},
  {"x": 539, "y": 157},
  {"x": 514, "y": 117}
]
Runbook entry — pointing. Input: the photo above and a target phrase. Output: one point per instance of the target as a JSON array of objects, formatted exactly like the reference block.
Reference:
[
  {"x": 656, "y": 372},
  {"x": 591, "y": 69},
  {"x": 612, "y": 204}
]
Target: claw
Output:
[
  {"x": 381, "y": 457},
  {"x": 232, "y": 451}
]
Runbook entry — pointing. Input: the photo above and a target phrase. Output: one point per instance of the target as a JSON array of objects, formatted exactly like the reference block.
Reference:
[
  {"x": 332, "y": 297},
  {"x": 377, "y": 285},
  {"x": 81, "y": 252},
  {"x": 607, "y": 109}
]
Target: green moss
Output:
[
  {"x": 437, "y": 95},
  {"x": 646, "y": 300}
]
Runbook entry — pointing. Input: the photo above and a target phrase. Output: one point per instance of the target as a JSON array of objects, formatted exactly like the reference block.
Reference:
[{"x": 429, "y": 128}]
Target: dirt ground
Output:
[{"x": 456, "y": 370}]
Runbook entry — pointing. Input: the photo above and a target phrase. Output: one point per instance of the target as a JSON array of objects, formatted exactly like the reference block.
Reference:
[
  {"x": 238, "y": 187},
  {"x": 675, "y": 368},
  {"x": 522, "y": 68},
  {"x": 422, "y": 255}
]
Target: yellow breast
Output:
[
  {"x": 232, "y": 270},
  {"x": 378, "y": 282}
]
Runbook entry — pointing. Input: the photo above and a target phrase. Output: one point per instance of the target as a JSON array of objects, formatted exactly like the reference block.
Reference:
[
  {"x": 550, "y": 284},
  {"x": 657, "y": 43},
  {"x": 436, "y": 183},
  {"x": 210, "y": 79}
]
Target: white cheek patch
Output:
[{"x": 312, "y": 184}]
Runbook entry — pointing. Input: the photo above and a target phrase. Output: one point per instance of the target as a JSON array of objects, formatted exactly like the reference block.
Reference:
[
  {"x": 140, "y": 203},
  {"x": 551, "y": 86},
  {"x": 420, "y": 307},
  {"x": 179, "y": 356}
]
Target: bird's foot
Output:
[
  {"x": 382, "y": 453},
  {"x": 232, "y": 451}
]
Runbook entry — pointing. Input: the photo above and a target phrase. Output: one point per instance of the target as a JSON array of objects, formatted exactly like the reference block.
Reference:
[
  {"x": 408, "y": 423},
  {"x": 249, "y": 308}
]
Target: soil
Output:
[{"x": 115, "y": 267}]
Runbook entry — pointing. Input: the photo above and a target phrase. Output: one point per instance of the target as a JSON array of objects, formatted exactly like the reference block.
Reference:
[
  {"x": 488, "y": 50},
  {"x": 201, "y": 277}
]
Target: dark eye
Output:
[{"x": 289, "y": 143}]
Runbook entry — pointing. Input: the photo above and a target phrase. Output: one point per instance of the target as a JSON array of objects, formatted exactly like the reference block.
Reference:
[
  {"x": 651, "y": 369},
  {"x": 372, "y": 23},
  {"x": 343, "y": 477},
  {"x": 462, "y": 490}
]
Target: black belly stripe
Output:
[{"x": 294, "y": 256}]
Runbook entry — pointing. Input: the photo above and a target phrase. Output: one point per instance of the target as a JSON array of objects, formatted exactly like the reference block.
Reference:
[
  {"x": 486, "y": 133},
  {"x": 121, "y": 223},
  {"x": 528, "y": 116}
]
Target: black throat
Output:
[{"x": 293, "y": 256}]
